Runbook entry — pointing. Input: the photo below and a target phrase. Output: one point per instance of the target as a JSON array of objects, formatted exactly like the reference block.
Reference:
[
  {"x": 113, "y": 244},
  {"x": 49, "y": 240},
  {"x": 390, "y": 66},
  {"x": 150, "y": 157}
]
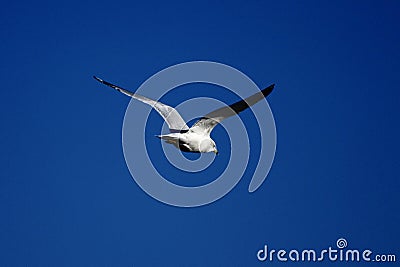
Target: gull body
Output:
[
  {"x": 197, "y": 138},
  {"x": 190, "y": 141}
]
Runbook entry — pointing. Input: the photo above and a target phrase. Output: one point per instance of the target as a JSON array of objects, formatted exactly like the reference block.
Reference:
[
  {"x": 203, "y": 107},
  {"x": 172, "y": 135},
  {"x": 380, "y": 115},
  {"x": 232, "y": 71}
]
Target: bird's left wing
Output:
[
  {"x": 207, "y": 123},
  {"x": 169, "y": 114}
]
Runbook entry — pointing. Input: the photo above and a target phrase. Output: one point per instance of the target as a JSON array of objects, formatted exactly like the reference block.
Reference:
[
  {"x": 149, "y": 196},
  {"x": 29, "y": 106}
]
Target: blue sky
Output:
[{"x": 66, "y": 195}]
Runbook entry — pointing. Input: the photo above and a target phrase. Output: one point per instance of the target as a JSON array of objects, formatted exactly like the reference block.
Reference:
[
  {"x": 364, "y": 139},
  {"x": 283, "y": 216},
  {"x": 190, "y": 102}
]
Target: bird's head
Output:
[
  {"x": 208, "y": 145},
  {"x": 215, "y": 150}
]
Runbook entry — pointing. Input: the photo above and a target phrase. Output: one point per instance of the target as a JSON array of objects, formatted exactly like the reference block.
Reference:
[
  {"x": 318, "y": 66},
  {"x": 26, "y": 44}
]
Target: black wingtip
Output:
[{"x": 268, "y": 90}]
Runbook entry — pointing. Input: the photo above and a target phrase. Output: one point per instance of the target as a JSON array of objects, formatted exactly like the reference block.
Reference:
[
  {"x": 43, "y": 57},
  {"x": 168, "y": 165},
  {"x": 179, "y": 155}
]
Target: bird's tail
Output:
[{"x": 169, "y": 139}]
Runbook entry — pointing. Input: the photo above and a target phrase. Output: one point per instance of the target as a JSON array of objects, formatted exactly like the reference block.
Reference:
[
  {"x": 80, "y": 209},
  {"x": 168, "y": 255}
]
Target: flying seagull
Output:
[{"x": 196, "y": 138}]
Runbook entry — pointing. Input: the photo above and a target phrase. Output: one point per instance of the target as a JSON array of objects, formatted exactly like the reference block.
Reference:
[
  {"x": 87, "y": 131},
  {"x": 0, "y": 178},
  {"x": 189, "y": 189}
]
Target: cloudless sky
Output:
[{"x": 66, "y": 195}]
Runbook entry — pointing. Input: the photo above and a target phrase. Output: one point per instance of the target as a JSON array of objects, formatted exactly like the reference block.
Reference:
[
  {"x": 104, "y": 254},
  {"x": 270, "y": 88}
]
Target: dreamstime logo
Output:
[
  {"x": 341, "y": 243},
  {"x": 138, "y": 157},
  {"x": 341, "y": 253}
]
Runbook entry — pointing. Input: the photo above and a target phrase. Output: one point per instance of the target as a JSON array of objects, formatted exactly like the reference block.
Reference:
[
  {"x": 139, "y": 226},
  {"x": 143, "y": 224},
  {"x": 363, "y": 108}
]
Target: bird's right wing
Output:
[
  {"x": 169, "y": 114},
  {"x": 207, "y": 123}
]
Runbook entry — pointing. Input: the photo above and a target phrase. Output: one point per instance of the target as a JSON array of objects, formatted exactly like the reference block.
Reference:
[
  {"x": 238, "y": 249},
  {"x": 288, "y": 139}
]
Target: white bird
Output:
[{"x": 196, "y": 138}]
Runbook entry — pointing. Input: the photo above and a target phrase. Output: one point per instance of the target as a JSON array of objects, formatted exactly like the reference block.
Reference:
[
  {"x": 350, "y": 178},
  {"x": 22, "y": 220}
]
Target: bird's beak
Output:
[{"x": 216, "y": 151}]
